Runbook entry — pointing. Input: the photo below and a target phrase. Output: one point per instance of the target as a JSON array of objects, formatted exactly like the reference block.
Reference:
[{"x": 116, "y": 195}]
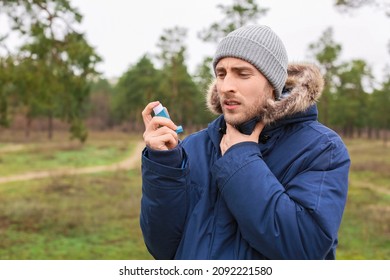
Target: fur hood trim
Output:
[{"x": 303, "y": 88}]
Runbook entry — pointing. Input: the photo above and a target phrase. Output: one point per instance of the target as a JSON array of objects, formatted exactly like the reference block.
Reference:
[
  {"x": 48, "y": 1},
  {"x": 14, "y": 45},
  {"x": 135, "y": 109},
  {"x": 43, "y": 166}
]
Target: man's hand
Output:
[
  {"x": 159, "y": 131},
  {"x": 233, "y": 136}
]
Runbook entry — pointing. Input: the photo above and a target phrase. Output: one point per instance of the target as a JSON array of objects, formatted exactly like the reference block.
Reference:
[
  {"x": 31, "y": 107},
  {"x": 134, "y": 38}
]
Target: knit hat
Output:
[{"x": 261, "y": 47}]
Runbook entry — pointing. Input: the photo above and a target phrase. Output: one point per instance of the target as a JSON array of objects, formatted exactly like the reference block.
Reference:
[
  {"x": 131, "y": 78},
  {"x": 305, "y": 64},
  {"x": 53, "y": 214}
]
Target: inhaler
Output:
[{"x": 160, "y": 111}]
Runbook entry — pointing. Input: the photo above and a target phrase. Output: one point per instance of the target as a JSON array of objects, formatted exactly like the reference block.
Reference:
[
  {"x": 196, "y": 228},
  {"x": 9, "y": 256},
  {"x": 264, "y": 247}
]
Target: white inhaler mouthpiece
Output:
[{"x": 161, "y": 112}]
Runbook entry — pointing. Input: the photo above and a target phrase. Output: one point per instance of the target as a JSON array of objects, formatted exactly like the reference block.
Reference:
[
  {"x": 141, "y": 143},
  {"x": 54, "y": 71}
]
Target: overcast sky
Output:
[{"x": 122, "y": 31}]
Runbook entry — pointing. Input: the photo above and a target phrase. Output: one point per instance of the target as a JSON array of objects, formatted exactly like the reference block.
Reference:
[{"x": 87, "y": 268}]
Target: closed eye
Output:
[
  {"x": 244, "y": 75},
  {"x": 221, "y": 75}
]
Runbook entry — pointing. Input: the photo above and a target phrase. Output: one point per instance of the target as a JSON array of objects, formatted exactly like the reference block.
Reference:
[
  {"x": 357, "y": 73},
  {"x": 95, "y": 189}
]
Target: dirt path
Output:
[
  {"x": 12, "y": 148},
  {"x": 126, "y": 164}
]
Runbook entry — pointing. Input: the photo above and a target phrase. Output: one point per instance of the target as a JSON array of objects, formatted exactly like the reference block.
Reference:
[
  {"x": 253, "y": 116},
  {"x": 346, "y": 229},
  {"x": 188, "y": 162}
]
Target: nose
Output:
[{"x": 227, "y": 84}]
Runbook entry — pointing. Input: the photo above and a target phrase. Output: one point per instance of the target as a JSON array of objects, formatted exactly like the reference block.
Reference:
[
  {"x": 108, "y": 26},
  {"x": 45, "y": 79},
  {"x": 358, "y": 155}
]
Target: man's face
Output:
[{"x": 242, "y": 90}]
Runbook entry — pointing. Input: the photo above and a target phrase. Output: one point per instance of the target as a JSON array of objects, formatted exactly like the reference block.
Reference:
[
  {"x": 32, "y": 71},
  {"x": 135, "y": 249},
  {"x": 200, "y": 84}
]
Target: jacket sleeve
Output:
[
  {"x": 163, "y": 202},
  {"x": 297, "y": 221}
]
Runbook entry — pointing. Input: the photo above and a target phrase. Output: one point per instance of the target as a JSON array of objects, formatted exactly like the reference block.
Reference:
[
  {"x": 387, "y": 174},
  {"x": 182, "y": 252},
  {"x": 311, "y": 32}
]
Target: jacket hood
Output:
[{"x": 302, "y": 89}]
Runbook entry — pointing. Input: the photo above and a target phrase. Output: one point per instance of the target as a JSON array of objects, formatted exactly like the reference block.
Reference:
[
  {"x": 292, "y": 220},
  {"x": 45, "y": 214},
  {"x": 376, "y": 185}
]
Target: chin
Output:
[{"x": 236, "y": 120}]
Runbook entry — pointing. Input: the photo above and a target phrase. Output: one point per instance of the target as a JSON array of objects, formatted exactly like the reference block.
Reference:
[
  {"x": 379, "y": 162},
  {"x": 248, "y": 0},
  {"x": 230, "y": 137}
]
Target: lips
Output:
[{"x": 231, "y": 104}]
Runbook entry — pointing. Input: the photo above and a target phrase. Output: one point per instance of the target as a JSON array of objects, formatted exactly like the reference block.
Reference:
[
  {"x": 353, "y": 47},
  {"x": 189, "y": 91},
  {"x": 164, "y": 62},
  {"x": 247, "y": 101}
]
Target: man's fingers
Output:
[
  {"x": 147, "y": 112},
  {"x": 157, "y": 122},
  {"x": 161, "y": 139},
  {"x": 165, "y": 130}
]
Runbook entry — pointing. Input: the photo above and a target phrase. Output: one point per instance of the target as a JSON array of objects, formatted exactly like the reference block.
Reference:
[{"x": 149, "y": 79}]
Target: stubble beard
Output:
[{"x": 247, "y": 113}]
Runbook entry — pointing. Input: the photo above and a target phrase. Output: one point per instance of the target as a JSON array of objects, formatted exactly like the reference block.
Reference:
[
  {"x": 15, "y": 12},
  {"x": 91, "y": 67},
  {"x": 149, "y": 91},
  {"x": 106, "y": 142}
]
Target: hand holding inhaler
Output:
[
  {"x": 160, "y": 111},
  {"x": 160, "y": 132}
]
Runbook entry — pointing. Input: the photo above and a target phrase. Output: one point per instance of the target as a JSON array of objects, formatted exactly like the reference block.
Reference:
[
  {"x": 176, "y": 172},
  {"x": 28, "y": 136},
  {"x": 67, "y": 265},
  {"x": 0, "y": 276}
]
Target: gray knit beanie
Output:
[{"x": 261, "y": 47}]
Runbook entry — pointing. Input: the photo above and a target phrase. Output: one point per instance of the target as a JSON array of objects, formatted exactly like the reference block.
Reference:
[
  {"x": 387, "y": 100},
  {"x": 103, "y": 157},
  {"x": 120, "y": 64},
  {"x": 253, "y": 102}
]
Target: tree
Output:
[
  {"x": 135, "y": 88},
  {"x": 240, "y": 13},
  {"x": 347, "y": 5},
  {"x": 188, "y": 106},
  {"x": 326, "y": 51},
  {"x": 379, "y": 109},
  {"x": 6, "y": 89},
  {"x": 59, "y": 59},
  {"x": 351, "y": 104},
  {"x": 203, "y": 77},
  {"x": 99, "y": 109},
  {"x": 379, "y": 99},
  {"x": 178, "y": 91}
]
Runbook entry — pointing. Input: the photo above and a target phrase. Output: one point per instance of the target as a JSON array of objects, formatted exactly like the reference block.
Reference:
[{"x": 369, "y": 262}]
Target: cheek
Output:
[
  {"x": 255, "y": 92},
  {"x": 252, "y": 95}
]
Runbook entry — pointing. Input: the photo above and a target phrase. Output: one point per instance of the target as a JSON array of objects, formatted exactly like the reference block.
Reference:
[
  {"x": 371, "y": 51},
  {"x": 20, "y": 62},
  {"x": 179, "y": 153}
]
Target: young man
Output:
[{"x": 275, "y": 192}]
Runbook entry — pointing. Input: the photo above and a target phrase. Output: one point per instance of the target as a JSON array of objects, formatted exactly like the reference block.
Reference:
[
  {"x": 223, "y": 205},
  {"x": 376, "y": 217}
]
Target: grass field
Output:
[
  {"x": 96, "y": 216},
  {"x": 35, "y": 156},
  {"x": 365, "y": 230},
  {"x": 88, "y": 217}
]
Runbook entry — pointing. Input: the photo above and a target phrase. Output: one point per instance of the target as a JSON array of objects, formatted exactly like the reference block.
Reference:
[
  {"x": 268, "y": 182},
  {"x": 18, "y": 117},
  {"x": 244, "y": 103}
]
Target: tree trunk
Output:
[
  {"x": 28, "y": 126},
  {"x": 50, "y": 127},
  {"x": 377, "y": 134},
  {"x": 369, "y": 132}
]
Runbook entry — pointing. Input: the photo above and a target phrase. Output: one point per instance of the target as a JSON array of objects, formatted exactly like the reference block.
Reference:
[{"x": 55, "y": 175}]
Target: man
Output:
[{"x": 278, "y": 192}]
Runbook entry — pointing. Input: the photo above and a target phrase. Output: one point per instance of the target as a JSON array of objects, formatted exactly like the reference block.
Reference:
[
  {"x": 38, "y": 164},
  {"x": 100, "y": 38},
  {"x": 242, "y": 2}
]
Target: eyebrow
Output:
[
  {"x": 242, "y": 68},
  {"x": 235, "y": 68}
]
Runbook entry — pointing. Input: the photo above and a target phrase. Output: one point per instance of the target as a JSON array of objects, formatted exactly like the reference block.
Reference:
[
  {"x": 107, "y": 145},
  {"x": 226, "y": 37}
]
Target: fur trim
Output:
[{"x": 304, "y": 83}]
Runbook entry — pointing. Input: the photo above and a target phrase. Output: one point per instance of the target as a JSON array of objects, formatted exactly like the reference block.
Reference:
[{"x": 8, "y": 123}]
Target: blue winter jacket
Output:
[{"x": 282, "y": 198}]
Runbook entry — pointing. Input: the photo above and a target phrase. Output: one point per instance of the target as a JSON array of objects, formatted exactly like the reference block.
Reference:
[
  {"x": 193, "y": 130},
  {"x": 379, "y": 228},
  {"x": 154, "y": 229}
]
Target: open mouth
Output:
[{"x": 231, "y": 104}]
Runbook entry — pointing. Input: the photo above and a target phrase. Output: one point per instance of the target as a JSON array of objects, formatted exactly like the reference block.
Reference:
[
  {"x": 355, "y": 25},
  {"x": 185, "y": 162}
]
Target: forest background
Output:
[{"x": 50, "y": 85}]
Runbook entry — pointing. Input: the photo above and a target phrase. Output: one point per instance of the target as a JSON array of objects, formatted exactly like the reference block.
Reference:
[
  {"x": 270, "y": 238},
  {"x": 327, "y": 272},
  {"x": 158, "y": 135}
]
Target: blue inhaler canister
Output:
[{"x": 161, "y": 112}]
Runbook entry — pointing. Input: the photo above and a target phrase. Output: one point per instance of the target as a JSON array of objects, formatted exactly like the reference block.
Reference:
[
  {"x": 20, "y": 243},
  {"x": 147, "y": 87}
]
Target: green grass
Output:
[
  {"x": 365, "y": 229},
  {"x": 83, "y": 217}
]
